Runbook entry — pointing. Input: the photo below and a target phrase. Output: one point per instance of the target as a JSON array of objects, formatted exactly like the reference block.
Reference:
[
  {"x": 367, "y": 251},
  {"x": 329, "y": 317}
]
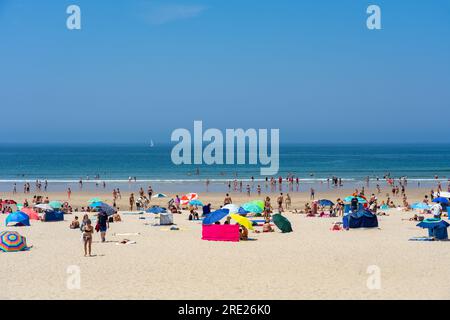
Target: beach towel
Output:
[{"x": 421, "y": 239}]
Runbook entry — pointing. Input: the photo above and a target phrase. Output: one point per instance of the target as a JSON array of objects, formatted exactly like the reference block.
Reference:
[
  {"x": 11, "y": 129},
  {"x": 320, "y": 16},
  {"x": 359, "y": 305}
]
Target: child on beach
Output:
[
  {"x": 75, "y": 224},
  {"x": 88, "y": 230},
  {"x": 267, "y": 227},
  {"x": 243, "y": 233}
]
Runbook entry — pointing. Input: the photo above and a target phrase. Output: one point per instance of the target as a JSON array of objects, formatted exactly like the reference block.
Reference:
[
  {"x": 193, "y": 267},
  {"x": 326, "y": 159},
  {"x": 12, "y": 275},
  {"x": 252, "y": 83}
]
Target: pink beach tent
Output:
[
  {"x": 33, "y": 215},
  {"x": 220, "y": 232}
]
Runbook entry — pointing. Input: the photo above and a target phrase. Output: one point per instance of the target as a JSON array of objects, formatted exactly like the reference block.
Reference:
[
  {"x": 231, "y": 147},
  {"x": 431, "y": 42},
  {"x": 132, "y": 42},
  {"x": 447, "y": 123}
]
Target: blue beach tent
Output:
[
  {"x": 363, "y": 218},
  {"x": 18, "y": 218},
  {"x": 437, "y": 228},
  {"x": 50, "y": 216}
]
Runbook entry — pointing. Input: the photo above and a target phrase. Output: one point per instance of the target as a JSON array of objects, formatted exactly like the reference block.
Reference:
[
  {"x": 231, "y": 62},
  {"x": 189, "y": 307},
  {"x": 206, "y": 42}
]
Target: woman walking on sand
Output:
[
  {"x": 69, "y": 192},
  {"x": 88, "y": 230}
]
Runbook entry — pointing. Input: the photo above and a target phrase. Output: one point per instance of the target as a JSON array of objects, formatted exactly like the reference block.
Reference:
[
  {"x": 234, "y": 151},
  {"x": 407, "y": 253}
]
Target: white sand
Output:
[{"x": 310, "y": 263}]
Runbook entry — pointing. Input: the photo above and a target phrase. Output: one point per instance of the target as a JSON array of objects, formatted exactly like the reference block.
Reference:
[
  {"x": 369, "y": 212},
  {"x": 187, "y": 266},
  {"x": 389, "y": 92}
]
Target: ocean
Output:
[{"x": 63, "y": 165}]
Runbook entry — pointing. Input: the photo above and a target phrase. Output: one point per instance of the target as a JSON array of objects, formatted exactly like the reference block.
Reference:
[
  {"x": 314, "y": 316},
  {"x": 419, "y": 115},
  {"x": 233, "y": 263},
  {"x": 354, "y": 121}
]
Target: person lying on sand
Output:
[
  {"x": 116, "y": 217},
  {"x": 75, "y": 224},
  {"x": 267, "y": 227},
  {"x": 126, "y": 241},
  {"x": 415, "y": 218}
]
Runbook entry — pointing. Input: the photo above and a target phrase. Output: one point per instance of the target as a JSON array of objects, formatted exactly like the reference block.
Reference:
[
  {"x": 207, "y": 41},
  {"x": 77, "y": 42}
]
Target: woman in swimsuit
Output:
[
  {"x": 267, "y": 208},
  {"x": 88, "y": 230}
]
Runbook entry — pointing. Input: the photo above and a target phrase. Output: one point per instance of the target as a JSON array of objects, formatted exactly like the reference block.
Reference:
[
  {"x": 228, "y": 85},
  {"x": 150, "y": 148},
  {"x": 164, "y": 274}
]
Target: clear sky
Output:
[{"x": 139, "y": 69}]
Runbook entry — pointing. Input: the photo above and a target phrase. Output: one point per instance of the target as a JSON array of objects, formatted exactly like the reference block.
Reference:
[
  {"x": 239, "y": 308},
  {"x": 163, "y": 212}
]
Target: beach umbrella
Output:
[
  {"x": 19, "y": 218},
  {"x": 360, "y": 199},
  {"x": 156, "y": 210},
  {"x": 8, "y": 202},
  {"x": 243, "y": 221},
  {"x": 242, "y": 211},
  {"x": 33, "y": 215},
  {"x": 97, "y": 204},
  {"x": 192, "y": 196},
  {"x": 259, "y": 203},
  {"x": 106, "y": 208},
  {"x": 196, "y": 202},
  {"x": 444, "y": 194},
  {"x": 326, "y": 203},
  {"x": 420, "y": 206},
  {"x": 11, "y": 241},
  {"x": 282, "y": 223},
  {"x": 215, "y": 216},
  {"x": 188, "y": 197},
  {"x": 441, "y": 200},
  {"x": 231, "y": 207},
  {"x": 44, "y": 206},
  {"x": 159, "y": 195},
  {"x": 95, "y": 200},
  {"x": 252, "y": 207},
  {"x": 55, "y": 204}
]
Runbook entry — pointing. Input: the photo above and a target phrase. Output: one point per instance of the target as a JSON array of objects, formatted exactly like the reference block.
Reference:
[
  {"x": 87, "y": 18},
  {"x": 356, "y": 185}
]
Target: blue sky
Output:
[{"x": 139, "y": 69}]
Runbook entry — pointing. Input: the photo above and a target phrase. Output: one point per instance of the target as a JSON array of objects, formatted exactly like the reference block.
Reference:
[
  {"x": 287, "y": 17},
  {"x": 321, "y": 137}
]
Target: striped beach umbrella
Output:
[
  {"x": 11, "y": 241},
  {"x": 188, "y": 197}
]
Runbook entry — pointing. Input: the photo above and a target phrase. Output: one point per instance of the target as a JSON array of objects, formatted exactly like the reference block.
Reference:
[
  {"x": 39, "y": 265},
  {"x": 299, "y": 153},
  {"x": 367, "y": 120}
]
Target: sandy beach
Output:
[{"x": 312, "y": 262}]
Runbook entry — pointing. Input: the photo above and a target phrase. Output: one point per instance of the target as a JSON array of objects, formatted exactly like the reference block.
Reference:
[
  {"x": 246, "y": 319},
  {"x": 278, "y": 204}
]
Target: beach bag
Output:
[{"x": 97, "y": 227}]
